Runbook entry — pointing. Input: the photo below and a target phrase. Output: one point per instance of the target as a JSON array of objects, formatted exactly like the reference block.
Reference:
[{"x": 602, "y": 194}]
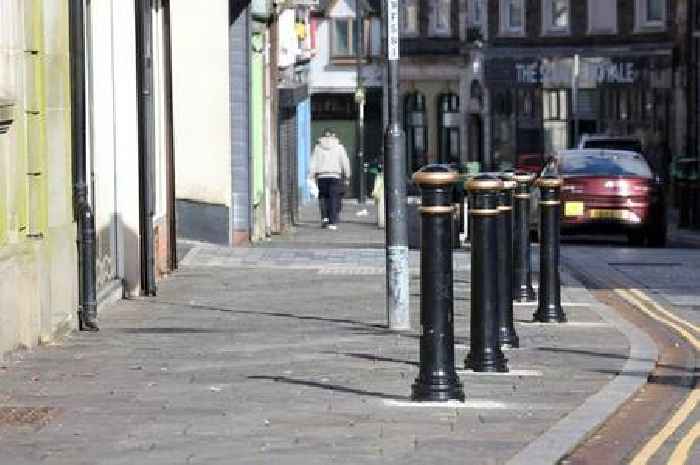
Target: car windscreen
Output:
[
  {"x": 611, "y": 144},
  {"x": 604, "y": 165}
]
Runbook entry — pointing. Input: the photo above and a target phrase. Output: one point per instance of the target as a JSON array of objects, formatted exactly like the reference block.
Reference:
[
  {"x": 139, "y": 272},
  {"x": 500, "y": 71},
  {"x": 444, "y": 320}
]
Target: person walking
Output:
[{"x": 330, "y": 167}]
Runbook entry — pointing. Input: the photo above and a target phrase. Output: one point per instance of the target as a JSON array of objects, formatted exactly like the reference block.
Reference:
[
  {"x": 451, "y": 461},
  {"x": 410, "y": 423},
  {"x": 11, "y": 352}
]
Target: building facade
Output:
[{"x": 544, "y": 72}]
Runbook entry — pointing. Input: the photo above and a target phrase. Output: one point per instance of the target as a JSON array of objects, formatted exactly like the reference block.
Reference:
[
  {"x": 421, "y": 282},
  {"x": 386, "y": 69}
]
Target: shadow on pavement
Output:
[
  {"x": 327, "y": 386},
  {"x": 687, "y": 379},
  {"x": 374, "y": 358},
  {"x": 169, "y": 330}
]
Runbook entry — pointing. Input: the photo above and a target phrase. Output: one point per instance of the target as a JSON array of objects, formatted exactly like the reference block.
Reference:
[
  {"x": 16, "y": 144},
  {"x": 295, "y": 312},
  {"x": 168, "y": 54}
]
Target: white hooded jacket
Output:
[{"x": 329, "y": 159}]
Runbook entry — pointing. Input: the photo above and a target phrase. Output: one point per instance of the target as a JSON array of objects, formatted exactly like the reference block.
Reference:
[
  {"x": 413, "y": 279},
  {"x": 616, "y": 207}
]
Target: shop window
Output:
[
  {"x": 343, "y": 38},
  {"x": 555, "y": 107},
  {"x": 410, "y": 20},
  {"x": 476, "y": 12},
  {"x": 555, "y": 17},
  {"x": 650, "y": 15},
  {"x": 512, "y": 17},
  {"x": 439, "y": 16},
  {"x": 416, "y": 129},
  {"x": 602, "y": 17}
]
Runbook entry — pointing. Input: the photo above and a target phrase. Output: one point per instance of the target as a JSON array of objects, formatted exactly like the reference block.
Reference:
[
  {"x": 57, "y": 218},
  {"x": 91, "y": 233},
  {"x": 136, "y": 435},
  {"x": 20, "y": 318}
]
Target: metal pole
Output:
[
  {"x": 485, "y": 352},
  {"x": 397, "y": 292},
  {"x": 437, "y": 378},
  {"x": 360, "y": 98},
  {"x": 574, "y": 87},
  {"x": 87, "y": 313},
  {"x": 549, "y": 308}
]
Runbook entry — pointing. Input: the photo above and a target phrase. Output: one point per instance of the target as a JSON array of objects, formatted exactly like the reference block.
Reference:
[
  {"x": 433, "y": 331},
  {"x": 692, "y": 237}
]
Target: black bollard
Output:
[
  {"x": 485, "y": 351},
  {"x": 549, "y": 308},
  {"x": 522, "y": 262},
  {"x": 437, "y": 378},
  {"x": 507, "y": 337}
]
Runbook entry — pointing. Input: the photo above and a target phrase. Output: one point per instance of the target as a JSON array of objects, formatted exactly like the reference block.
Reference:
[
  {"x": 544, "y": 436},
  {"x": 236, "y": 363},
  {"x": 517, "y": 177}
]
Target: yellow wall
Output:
[{"x": 38, "y": 295}]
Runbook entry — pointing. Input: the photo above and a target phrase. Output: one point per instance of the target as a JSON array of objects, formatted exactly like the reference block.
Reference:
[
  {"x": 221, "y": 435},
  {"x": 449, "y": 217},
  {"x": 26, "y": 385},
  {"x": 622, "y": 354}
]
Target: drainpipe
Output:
[
  {"x": 146, "y": 128},
  {"x": 87, "y": 295}
]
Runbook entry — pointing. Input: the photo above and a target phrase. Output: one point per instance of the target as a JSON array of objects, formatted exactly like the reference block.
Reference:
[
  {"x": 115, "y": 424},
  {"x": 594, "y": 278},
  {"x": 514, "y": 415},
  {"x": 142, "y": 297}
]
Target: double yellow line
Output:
[{"x": 689, "y": 332}]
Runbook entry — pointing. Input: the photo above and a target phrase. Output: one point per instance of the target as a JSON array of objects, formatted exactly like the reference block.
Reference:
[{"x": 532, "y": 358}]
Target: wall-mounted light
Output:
[{"x": 6, "y": 116}]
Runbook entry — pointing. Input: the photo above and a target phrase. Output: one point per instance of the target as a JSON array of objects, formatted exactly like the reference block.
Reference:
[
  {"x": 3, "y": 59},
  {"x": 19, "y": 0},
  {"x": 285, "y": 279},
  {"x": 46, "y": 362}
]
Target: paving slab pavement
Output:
[{"x": 261, "y": 356}]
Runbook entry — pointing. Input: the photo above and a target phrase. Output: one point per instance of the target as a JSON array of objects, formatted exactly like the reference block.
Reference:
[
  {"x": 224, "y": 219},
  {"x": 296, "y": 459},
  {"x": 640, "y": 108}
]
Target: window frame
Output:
[
  {"x": 504, "y": 19},
  {"x": 432, "y": 19},
  {"x": 352, "y": 46},
  {"x": 413, "y": 33},
  {"x": 600, "y": 31},
  {"x": 472, "y": 20},
  {"x": 548, "y": 27},
  {"x": 642, "y": 23}
]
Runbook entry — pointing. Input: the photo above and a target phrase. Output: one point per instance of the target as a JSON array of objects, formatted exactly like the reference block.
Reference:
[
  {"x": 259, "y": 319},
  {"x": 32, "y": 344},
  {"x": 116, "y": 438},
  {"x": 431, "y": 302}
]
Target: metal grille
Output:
[{"x": 27, "y": 416}]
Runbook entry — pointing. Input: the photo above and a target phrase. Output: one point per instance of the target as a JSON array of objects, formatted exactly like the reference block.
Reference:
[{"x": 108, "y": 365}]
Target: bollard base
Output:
[
  {"x": 550, "y": 314},
  {"x": 492, "y": 361},
  {"x": 508, "y": 339},
  {"x": 524, "y": 295},
  {"x": 437, "y": 389}
]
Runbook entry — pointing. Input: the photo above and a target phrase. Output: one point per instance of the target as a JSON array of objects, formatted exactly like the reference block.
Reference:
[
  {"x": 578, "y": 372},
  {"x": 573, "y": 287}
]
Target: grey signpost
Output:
[{"x": 397, "y": 293}]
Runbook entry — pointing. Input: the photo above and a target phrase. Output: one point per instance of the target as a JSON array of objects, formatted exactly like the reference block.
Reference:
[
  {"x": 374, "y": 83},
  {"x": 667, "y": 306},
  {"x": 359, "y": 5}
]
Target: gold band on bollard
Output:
[
  {"x": 549, "y": 182},
  {"x": 509, "y": 184},
  {"x": 550, "y": 203},
  {"x": 484, "y": 185},
  {"x": 436, "y": 210},
  {"x": 521, "y": 196},
  {"x": 485, "y": 211},
  {"x": 523, "y": 178},
  {"x": 431, "y": 178}
]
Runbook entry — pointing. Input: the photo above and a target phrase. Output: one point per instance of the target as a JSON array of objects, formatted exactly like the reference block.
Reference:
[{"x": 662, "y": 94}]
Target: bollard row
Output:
[{"x": 501, "y": 272}]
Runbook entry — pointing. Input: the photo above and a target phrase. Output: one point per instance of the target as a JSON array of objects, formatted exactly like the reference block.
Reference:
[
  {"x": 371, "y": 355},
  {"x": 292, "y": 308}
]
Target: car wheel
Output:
[
  {"x": 657, "y": 235},
  {"x": 636, "y": 238}
]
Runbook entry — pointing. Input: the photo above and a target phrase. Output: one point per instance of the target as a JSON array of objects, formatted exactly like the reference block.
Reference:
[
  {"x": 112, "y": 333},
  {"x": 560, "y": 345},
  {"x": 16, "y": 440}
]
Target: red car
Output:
[
  {"x": 611, "y": 191},
  {"x": 529, "y": 162}
]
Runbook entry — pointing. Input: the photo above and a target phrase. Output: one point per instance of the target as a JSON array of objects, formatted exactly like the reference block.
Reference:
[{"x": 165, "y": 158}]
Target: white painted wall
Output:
[
  {"x": 201, "y": 100},
  {"x": 102, "y": 135},
  {"x": 126, "y": 143},
  {"x": 327, "y": 77},
  {"x": 288, "y": 43}
]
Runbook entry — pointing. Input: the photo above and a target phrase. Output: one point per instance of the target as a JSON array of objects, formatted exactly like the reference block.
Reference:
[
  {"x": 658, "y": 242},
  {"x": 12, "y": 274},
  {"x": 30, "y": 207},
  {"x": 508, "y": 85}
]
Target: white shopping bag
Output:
[{"x": 313, "y": 188}]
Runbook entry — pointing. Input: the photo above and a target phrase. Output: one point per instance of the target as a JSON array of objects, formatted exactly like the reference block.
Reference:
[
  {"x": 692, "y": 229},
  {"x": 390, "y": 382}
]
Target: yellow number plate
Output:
[
  {"x": 609, "y": 214},
  {"x": 573, "y": 209}
]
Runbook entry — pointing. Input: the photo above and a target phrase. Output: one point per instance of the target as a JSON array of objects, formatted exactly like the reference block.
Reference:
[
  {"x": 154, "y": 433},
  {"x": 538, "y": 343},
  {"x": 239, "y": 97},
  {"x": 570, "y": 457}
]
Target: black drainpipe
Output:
[
  {"x": 144, "y": 76},
  {"x": 87, "y": 295}
]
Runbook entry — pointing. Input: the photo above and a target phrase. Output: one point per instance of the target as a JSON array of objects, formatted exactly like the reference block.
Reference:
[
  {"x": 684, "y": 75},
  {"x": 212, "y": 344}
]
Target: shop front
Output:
[{"x": 541, "y": 105}]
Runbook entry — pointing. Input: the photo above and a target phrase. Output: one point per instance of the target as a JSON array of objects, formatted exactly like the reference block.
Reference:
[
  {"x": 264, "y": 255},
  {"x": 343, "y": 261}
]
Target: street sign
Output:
[{"x": 393, "y": 30}]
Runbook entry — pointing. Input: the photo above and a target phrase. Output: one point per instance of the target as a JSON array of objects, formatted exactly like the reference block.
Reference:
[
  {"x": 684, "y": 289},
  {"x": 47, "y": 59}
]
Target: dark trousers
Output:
[{"x": 329, "y": 195}]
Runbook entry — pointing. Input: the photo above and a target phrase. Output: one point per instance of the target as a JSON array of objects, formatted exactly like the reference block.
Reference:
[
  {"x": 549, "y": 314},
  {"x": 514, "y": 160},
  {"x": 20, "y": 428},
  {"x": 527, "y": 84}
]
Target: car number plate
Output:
[
  {"x": 609, "y": 214},
  {"x": 573, "y": 209}
]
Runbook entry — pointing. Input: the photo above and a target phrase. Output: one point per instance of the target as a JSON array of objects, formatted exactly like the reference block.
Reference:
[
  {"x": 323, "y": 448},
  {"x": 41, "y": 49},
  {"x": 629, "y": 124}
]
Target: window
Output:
[
  {"x": 650, "y": 14},
  {"x": 410, "y": 25},
  {"x": 555, "y": 16},
  {"x": 439, "y": 18},
  {"x": 343, "y": 38},
  {"x": 476, "y": 12},
  {"x": 655, "y": 11},
  {"x": 602, "y": 17},
  {"x": 512, "y": 17}
]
